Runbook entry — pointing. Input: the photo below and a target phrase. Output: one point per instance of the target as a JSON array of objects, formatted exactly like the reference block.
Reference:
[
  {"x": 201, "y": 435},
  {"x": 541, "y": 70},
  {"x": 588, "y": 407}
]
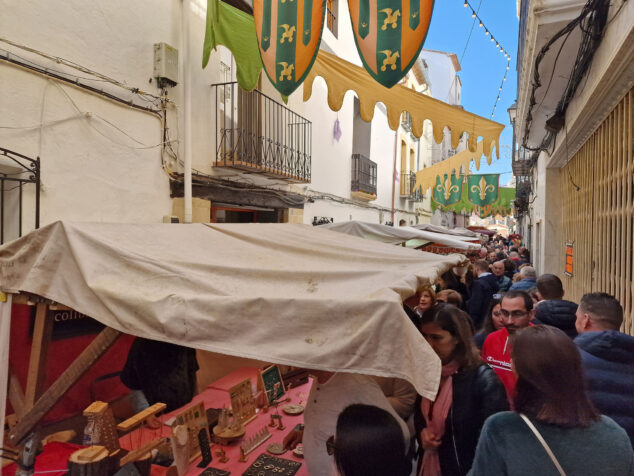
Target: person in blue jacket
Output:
[{"x": 608, "y": 358}]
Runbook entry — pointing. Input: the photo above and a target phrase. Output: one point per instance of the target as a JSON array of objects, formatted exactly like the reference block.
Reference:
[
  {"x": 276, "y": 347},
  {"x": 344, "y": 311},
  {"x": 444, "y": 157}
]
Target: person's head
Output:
[
  {"x": 550, "y": 381},
  {"x": 517, "y": 310},
  {"x": 501, "y": 256},
  {"x": 449, "y": 296},
  {"x": 493, "y": 256},
  {"x": 509, "y": 266},
  {"x": 514, "y": 255},
  {"x": 481, "y": 266},
  {"x": 497, "y": 268},
  {"x": 368, "y": 442},
  {"x": 534, "y": 294},
  {"x": 528, "y": 272},
  {"x": 483, "y": 252},
  {"x": 448, "y": 280},
  {"x": 426, "y": 298},
  {"x": 550, "y": 287},
  {"x": 599, "y": 312},
  {"x": 493, "y": 320},
  {"x": 449, "y": 331}
]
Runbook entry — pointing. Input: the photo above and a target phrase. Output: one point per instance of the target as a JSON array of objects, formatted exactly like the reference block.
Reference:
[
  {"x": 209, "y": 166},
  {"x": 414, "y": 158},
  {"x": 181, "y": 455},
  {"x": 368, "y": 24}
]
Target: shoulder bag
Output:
[{"x": 541, "y": 439}]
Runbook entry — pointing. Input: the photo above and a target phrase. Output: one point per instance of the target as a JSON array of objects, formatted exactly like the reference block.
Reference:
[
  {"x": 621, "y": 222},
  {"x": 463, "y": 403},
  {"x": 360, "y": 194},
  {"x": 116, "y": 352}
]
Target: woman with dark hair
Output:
[
  {"x": 448, "y": 280},
  {"x": 368, "y": 442},
  {"x": 509, "y": 268},
  {"x": 469, "y": 392},
  {"x": 493, "y": 320},
  {"x": 555, "y": 428}
]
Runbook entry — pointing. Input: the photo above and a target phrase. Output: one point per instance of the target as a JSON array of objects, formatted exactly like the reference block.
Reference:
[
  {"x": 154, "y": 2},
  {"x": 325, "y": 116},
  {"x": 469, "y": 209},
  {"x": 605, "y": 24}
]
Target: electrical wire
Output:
[
  {"x": 470, "y": 32},
  {"x": 476, "y": 17},
  {"x": 78, "y": 67}
]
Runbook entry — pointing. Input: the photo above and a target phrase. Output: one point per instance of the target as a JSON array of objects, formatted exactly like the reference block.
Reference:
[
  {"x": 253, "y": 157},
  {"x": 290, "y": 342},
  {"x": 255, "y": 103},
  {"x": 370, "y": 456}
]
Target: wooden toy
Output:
[
  {"x": 194, "y": 418},
  {"x": 243, "y": 402},
  {"x": 251, "y": 443}
]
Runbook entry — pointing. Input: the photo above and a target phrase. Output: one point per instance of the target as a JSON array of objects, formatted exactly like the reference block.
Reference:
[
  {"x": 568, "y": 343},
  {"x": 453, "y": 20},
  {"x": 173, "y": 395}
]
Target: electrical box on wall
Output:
[{"x": 165, "y": 65}]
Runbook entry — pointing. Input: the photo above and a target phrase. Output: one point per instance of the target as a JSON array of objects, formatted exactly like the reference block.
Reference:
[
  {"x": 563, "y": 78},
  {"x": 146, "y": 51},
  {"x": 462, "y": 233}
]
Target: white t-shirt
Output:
[{"x": 325, "y": 402}]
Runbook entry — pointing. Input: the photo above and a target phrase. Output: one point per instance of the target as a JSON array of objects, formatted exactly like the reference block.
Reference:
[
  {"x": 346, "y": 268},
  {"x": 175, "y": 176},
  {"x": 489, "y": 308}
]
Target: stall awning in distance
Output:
[
  {"x": 397, "y": 235},
  {"x": 283, "y": 293}
]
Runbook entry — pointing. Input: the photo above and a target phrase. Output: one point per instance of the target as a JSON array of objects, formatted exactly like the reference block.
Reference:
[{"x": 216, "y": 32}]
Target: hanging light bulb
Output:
[
  {"x": 473, "y": 14},
  {"x": 507, "y": 66},
  {"x": 497, "y": 45},
  {"x": 486, "y": 32},
  {"x": 492, "y": 39},
  {"x": 481, "y": 24},
  {"x": 466, "y": 4},
  {"x": 504, "y": 79}
]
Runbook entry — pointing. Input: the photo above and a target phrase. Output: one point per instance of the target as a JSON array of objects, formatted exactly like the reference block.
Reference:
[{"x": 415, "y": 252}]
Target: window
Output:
[{"x": 331, "y": 15}]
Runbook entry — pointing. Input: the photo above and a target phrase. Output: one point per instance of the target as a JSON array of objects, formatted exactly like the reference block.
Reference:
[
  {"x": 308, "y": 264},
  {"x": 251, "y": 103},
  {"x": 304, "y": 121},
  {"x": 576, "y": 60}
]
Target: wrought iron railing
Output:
[
  {"x": 522, "y": 163},
  {"x": 257, "y": 134},
  {"x": 16, "y": 172},
  {"x": 407, "y": 187},
  {"x": 364, "y": 173}
]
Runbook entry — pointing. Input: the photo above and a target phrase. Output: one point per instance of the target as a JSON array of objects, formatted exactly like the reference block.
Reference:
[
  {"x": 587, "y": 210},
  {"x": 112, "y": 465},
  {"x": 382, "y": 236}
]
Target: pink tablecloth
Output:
[{"x": 216, "y": 398}]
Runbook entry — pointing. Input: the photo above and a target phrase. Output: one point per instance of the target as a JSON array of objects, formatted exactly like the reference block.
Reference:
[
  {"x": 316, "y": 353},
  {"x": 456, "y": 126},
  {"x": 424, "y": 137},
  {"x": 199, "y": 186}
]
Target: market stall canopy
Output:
[
  {"x": 342, "y": 76},
  {"x": 397, "y": 235},
  {"x": 458, "y": 231},
  {"x": 283, "y": 293}
]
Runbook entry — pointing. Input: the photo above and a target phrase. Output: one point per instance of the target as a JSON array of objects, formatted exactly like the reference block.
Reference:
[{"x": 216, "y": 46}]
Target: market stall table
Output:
[{"x": 216, "y": 395}]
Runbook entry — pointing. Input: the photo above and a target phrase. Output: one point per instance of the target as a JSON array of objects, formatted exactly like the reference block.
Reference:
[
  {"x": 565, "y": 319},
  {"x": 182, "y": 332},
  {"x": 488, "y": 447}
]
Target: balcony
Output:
[
  {"x": 522, "y": 195},
  {"x": 407, "y": 184},
  {"x": 522, "y": 163},
  {"x": 364, "y": 173},
  {"x": 256, "y": 134}
]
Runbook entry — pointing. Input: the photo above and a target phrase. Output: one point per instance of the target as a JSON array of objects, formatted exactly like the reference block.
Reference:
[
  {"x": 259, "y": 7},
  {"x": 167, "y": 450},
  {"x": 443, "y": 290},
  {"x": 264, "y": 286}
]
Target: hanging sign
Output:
[
  {"x": 389, "y": 35},
  {"x": 448, "y": 190},
  {"x": 482, "y": 190},
  {"x": 570, "y": 260},
  {"x": 289, "y": 33}
]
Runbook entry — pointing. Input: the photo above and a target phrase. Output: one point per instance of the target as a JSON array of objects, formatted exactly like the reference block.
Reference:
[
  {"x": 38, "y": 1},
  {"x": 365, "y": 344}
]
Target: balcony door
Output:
[{"x": 249, "y": 134}]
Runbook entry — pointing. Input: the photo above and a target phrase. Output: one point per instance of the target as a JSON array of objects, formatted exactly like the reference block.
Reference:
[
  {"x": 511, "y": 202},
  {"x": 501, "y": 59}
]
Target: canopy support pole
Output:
[
  {"x": 56, "y": 391},
  {"x": 5, "y": 333},
  {"x": 36, "y": 376}
]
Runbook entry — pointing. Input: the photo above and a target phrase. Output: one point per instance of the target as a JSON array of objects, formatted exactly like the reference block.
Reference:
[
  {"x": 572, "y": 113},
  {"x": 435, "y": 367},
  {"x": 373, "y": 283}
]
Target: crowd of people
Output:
[{"x": 530, "y": 384}]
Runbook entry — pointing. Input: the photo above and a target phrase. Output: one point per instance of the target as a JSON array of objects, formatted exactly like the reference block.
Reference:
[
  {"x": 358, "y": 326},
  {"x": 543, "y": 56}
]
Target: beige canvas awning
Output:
[
  {"x": 288, "y": 294},
  {"x": 342, "y": 76}
]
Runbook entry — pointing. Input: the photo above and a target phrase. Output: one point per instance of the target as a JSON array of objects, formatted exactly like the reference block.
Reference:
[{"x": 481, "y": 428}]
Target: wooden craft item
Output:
[
  {"x": 215, "y": 472},
  {"x": 270, "y": 380},
  {"x": 103, "y": 426},
  {"x": 221, "y": 455},
  {"x": 140, "y": 417},
  {"x": 140, "y": 453},
  {"x": 293, "y": 409},
  {"x": 251, "y": 443},
  {"x": 299, "y": 451},
  {"x": 180, "y": 448},
  {"x": 91, "y": 461},
  {"x": 276, "y": 449},
  {"x": 267, "y": 465},
  {"x": 243, "y": 402},
  {"x": 194, "y": 418}
]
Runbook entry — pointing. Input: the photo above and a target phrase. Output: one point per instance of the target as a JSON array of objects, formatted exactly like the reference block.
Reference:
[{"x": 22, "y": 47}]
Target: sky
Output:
[{"x": 483, "y": 65}]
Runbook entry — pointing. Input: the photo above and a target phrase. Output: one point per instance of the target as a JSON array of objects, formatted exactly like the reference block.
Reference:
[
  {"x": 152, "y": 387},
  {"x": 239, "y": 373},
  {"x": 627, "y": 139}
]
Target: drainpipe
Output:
[
  {"x": 187, "y": 149},
  {"x": 394, "y": 172}
]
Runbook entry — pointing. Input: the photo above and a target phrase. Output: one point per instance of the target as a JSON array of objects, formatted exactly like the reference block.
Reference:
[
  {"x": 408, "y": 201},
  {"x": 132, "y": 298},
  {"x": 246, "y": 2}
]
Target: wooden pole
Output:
[
  {"x": 71, "y": 375},
  {"x": 39, "y": 351},
  {"x": 5, "y": 332}
]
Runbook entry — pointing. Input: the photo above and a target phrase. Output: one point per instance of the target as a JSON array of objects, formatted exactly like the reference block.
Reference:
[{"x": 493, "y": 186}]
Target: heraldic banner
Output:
[
  {"x": 389, "y": 35},
  {"x": 289, "y": 33},
  {"x": 482, "y": 189},
  {"x": 448, "y": 189}
]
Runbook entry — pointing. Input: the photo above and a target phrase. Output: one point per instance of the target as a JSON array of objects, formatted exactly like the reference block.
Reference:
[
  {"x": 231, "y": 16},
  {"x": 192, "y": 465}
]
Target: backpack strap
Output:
[{"x": 541, "y": 439}]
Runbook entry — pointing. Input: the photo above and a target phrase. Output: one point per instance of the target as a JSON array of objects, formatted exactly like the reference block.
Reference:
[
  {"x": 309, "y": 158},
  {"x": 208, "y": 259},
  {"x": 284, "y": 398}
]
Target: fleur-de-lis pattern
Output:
[{"x": 483, "y": 189}]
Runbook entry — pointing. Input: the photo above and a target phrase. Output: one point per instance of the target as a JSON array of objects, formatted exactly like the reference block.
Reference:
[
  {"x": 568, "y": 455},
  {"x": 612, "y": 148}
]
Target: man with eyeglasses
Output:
[{"x": 517, "y": 311}]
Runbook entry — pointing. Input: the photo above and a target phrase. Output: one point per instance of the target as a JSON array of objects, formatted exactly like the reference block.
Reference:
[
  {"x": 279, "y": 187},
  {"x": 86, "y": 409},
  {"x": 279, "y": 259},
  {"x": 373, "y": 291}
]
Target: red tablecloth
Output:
[
  {"x": 52, "y": 460},
  {"x": 215, "y": 398}
]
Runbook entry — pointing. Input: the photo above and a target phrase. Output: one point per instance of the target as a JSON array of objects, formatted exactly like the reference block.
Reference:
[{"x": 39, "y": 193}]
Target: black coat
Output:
[
  {"x": 477, "y": 394},
  {"x": 558, "y": 313},
  {"x": 482, "y": 291}
]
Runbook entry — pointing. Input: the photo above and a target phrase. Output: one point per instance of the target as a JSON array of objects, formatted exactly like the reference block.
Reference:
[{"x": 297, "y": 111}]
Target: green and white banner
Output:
[
  {"x": 448, "y": 189},
  {"x": 482, "y": 189}
]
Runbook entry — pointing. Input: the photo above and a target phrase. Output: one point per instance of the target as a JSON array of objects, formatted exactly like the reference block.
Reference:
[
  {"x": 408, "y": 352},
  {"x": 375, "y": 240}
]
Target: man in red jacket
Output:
[{"x": 517, "y": 312}]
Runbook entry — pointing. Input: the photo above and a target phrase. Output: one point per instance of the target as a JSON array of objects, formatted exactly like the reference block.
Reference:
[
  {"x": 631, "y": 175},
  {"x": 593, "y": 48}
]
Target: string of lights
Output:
[
  {"x": 487, "y": 32},
  {"x": 498, "y": 46}
]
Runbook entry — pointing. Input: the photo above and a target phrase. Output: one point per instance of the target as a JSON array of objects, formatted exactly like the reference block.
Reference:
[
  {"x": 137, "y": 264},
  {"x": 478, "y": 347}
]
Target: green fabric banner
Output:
[
  {"x": 448, "y": 190},
  {"x": 483, "y": 189},
  {"x": 502, "y": 206},
  {"x": 234, "y": 29}
]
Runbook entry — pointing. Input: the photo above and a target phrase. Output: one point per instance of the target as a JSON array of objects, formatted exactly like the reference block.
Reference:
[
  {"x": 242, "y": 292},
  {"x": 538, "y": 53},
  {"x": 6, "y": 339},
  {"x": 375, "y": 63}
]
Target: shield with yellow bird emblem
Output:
[
  {"x": 389, "y": 35},
  {"x": 289, "y": 33}
]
